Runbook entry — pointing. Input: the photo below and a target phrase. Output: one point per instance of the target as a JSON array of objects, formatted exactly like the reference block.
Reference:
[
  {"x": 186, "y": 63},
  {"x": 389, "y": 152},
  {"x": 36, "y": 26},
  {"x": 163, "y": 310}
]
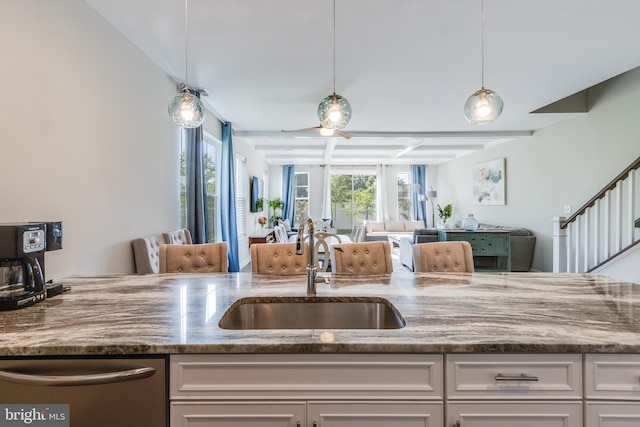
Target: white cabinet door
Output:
[
  {"x": 515, "y": 414},
  {"x": 612, "y": 414},
  {"x": 612, "y": 376},
  {"x": 238, "y": 414},
  {"x": 374, "y": 414}
]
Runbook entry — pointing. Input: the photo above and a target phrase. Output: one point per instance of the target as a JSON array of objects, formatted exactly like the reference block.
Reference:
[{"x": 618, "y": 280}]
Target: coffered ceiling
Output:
[{"x": 406, "y": 66}]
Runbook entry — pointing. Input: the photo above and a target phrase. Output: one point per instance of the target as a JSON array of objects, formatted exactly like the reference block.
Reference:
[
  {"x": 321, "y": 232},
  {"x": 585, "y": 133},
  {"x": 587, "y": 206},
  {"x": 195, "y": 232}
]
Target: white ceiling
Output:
[{"x": 406, "y": 67}]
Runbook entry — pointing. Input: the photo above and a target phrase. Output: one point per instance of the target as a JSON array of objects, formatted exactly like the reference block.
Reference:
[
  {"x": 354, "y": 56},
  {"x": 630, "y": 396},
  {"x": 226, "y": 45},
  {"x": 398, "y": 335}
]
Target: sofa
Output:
[
  {"x": 523, "y": 243},
  {"x": 380, "y": 230}
]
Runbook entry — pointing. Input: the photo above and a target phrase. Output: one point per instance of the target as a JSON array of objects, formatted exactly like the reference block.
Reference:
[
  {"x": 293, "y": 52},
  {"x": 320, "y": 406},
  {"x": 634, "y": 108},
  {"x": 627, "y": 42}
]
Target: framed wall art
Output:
[{"x": 489, "y": 183}]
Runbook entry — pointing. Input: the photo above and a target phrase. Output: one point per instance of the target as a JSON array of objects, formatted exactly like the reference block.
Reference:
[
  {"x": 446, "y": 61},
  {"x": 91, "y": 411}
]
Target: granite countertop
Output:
[{"x": 445, "y": 313}]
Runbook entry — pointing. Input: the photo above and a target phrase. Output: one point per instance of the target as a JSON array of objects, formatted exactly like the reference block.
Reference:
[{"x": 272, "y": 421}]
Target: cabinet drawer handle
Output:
[
  {"x": 298, "y": 424},
  {"x": 315, "y": 424},
  {"x": 522, "y": 377}
]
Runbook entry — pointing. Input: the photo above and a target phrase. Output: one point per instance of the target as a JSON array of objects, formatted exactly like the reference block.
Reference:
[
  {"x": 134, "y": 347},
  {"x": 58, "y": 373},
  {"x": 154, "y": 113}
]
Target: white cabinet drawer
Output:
[
  {"x": 238, "y": 414},
  {"x": 612, "y": 414},
  {"x": 612, "y": 376},
  {"x": 514, "y": 414},
  {"x": 375, "y": 414},
  {"x": 308, "y": 376},
  {"x": 514, "y": 376}
]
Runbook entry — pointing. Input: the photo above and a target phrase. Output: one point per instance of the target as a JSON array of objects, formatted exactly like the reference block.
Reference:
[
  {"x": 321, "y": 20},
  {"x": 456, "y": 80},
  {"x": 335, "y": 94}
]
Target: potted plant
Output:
[
  {"x": 444, "y": 214},
  {"x": 275, "y": 204}
]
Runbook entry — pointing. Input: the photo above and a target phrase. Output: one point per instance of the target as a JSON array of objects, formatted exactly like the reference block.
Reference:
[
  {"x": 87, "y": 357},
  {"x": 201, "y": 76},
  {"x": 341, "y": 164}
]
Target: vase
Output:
[
  {"x": 470, "y": 223},
  {"x": 440, "y": 223}
]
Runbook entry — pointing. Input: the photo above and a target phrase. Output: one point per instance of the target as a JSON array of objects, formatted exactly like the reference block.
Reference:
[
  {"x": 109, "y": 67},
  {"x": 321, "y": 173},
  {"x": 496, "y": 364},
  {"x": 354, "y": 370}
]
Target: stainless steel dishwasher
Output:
[{"x": 100, "y": 392}]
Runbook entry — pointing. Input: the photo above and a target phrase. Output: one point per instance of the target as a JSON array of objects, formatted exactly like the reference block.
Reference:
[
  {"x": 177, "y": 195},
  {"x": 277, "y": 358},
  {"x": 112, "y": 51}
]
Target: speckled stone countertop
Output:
[{"x": 168, "y": 314}]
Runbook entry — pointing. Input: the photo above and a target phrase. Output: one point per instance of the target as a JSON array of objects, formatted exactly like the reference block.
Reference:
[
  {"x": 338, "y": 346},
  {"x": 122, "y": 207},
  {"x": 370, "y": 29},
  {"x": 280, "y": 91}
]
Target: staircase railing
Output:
[{"x": 602, "y": 229}]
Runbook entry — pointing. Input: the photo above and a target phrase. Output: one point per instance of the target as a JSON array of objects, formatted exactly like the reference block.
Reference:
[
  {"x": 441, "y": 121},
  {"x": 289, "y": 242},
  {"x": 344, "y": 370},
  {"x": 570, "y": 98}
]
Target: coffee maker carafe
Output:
[{"x": 22, "y": 249}]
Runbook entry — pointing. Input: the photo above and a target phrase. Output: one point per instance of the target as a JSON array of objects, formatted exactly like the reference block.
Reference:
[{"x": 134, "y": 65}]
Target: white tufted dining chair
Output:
[
  {"x": 357, "y": 234},
  {"x": 361, "y": 258},
  {"x": 280, "y": 233},
  {"x": 321, "y": 250},
  {"x": 146, "y": 250},
  {"x": 443, "y": 257},
  {"x": 202, "y": 258},
  {"x": 278, "y": 258}
]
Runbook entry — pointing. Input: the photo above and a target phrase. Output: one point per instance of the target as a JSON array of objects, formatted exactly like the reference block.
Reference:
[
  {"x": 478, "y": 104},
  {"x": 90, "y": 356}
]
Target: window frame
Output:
[
  {"x": 299, "y": 217},
  {"x": 353, "y": 173},
  {"x": 405, "y": 175},
  {"x": 241, "y": 194},
  {"x": 211, "y": 145}
]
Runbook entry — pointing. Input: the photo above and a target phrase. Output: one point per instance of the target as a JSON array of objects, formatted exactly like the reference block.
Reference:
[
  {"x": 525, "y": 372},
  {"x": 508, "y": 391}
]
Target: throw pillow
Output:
[{"x": 286, "y": 224}]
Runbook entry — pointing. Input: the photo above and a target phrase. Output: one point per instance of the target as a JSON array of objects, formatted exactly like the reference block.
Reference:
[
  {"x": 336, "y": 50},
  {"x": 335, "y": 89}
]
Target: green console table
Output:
[{"x": 491, "y": 248}]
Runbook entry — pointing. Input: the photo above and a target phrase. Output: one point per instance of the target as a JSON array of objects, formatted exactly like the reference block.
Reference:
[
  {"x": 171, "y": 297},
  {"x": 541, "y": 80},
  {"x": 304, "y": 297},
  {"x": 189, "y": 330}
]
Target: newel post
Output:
[{"x": 559, "y": 245}]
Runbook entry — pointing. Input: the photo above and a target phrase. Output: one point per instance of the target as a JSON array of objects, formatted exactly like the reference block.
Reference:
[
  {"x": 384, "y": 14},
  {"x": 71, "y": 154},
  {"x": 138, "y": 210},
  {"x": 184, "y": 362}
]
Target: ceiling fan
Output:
[
  {"x": 323, "y": 131},
  {"x": 334, "y": 111}
]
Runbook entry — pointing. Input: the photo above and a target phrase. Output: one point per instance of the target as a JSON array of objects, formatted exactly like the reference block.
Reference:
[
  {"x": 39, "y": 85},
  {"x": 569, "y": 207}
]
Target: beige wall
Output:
[
  {"x": 565, "y": 164},
  {"x": 85, "y": 136}
]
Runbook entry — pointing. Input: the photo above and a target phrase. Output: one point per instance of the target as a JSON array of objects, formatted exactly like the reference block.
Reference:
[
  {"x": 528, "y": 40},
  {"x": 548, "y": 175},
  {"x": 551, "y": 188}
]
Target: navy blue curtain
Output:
[
  {"x": 418, "y": 208},
  {"x": 288, "y": 192},
  {"x": 228, "y": 225},
  {"x": 196, "y": 197}
]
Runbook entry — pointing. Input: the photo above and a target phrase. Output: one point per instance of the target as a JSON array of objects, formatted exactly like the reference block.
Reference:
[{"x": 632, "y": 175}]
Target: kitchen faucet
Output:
[{"x": 312, "y": 270}]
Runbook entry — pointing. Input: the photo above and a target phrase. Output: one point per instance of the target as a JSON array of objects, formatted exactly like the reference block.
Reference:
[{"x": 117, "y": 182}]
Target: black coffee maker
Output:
[{"x": 22, "y": 247}]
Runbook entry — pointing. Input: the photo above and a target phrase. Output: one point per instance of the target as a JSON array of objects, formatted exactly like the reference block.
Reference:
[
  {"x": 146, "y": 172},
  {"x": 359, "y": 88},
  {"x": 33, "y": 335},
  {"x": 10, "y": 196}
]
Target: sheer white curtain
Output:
[
  {"x": 326, "y": 193},
  {"x": 381, "y": 193}
]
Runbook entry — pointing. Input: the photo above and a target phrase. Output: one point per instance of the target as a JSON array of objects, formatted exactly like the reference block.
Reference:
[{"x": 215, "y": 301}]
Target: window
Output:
[
  {"x": 241, "y": 185},
  {"x": 353, "y": 200},
  {"x": 302, "y": 197},
  {"x": 210, "y": 159},
  {"x": 404, "y": 202},
  {"x": 211, "y": 156}
]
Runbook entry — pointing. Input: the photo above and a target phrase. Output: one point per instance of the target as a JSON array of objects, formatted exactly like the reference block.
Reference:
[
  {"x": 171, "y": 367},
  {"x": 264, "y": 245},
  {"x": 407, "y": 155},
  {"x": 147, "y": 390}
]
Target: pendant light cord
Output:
[
  {"x": 482, "y": 40},
  {"x": 186, "y": 45},
  {"x": 334, "y": 47}
]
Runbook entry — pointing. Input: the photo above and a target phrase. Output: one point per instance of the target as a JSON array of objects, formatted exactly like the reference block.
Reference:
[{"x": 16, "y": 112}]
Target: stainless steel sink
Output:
[{"x": 312, "y": 313}]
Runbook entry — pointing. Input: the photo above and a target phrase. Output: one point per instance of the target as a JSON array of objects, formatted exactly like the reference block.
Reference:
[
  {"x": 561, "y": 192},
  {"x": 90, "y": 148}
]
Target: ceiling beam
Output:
[
  {"x": 331, "y": 145},
  {"x": 373, "y": 135}
]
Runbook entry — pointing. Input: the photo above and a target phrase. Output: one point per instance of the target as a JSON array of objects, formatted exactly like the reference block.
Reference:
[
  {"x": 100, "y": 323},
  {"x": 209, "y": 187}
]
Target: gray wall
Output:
[
  {"x": 85, "y": 135},
  {"x": 565, "y": 164},
  {"x": 86, "y": 138}
]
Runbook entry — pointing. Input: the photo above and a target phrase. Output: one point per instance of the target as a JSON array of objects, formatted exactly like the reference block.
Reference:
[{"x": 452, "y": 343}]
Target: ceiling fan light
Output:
[
  {"x": 484, "y": 106},
  {"x": 334, "y": 112},
  {"x": 187, "y": 110},
  {"x": 326, "y": 132}
]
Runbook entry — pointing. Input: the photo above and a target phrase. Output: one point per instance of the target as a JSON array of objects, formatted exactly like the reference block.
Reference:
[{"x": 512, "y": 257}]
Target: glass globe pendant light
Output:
[
  {"x": 485, "y": 105},
  {"x": 334, "y": 111},
  {"x": 186, "y": 109}
]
